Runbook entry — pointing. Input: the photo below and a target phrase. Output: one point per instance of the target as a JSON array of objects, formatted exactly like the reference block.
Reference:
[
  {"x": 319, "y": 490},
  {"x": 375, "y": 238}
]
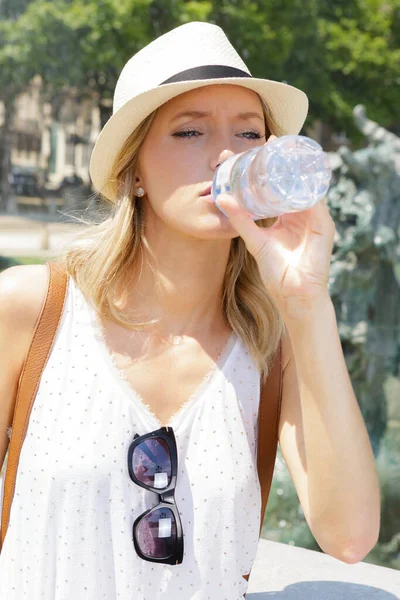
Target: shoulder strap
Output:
[
  {"x": 268, "y": 430},
  {"x": 38, "y": 354}
]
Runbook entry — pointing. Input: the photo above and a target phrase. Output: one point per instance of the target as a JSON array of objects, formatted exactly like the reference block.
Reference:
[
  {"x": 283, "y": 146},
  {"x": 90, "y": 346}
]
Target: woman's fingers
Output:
[{"x": 242, "y": 222}]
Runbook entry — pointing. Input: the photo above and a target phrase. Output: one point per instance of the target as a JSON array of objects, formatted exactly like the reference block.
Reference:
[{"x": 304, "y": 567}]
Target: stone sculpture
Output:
[{"x": 364, "y": 201}]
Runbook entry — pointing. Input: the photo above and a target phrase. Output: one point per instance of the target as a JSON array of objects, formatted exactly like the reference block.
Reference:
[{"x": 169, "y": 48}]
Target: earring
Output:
[{"x": 139, "y": 193}]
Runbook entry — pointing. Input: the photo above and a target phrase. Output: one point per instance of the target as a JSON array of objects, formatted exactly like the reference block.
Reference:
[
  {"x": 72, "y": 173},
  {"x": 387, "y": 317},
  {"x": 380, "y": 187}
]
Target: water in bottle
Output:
[{"x": 289, "y": 174}]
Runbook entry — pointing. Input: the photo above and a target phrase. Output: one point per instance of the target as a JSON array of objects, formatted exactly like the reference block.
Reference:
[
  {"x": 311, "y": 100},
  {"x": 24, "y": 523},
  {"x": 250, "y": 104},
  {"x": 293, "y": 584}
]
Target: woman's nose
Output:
[{"x": 220, "y": 158}]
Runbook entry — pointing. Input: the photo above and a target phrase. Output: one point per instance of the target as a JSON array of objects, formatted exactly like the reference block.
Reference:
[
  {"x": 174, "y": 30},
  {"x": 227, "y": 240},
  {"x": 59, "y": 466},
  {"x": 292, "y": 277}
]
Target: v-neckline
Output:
[
  {"x": 193, "y": 399},
  {"x": 127, "y": 388}
]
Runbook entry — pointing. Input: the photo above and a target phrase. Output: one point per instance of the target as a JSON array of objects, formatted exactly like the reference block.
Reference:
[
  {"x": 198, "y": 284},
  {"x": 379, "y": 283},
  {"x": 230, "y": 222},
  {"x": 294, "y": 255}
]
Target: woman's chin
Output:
[{"x": 214, "y": 225}]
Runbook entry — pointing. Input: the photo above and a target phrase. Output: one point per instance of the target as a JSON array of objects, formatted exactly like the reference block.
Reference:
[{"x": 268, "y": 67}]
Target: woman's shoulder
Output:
[{"x": 22, "y": 292}]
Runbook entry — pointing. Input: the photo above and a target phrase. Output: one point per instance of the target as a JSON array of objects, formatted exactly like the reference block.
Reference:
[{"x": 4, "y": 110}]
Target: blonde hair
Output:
[{"x": 99, "y": 258}]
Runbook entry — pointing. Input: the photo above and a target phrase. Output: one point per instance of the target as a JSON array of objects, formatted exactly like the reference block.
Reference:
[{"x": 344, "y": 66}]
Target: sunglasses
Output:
[{"x": 153, "y": 464}]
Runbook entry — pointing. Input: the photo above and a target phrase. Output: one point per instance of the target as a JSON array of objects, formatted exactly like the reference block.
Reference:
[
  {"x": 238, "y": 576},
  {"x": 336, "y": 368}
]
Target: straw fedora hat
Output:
[{"x": 190, "y": 56}]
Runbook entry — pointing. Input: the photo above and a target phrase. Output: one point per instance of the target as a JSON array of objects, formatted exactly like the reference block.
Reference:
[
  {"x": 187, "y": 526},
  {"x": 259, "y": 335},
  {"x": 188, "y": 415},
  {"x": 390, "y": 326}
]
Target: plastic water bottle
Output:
[{"x": 290, "y": 174}]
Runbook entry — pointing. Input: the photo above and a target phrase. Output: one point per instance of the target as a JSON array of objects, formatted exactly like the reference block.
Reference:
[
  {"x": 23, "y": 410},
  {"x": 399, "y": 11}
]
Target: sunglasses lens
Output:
[
  {"x": 156, "y": 533},
  {"x": 151, "y": 462}
]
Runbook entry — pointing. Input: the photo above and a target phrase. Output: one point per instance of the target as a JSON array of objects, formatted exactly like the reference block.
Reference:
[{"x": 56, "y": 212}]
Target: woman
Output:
[{"x": 173, "y": 312}]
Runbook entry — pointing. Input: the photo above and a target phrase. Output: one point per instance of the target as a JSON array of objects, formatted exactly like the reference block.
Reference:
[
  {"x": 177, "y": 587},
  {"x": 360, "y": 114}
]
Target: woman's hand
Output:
[{"x": 293, "y": 255}]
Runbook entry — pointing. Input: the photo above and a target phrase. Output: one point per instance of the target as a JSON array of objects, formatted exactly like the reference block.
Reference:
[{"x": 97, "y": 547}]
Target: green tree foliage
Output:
[
  {"x": 111, "y": 31},
  {"x": 361, "y": 42},
  {"x": 11, "y": 9},
  {"x": 15, "y": 73},
  {"x": 15, "y": 68},
  {"x": 341, "y": 53}
]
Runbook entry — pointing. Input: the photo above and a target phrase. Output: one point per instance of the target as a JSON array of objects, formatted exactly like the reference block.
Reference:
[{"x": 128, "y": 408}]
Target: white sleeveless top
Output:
[{"x": 70, "y": 530}]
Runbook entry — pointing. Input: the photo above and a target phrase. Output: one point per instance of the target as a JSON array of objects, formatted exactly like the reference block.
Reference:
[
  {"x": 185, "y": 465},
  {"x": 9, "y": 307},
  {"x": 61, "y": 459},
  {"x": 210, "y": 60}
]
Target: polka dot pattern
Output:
[{"x": 70, "y": 531}]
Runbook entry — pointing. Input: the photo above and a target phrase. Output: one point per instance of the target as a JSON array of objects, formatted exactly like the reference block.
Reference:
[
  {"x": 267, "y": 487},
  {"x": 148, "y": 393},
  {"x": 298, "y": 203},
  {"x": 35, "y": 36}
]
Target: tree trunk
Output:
[
  {"x": 5, "y": 153},
  {"x": 105, "y": 113}
]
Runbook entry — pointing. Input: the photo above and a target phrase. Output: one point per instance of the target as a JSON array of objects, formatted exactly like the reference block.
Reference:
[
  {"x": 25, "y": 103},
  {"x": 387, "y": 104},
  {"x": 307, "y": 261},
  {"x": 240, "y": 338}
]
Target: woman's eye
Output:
[
  {"x": 252, "y": 135},
  {"x": 188, "y": 133}
]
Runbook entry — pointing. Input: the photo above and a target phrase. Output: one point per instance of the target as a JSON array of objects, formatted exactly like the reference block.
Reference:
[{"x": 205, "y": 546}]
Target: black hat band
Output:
[{"x": 206, "y": 72}]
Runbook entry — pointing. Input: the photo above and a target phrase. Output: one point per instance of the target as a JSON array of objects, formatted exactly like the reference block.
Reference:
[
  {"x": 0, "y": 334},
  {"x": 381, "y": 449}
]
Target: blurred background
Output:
[{"x": 59, "y": 62}]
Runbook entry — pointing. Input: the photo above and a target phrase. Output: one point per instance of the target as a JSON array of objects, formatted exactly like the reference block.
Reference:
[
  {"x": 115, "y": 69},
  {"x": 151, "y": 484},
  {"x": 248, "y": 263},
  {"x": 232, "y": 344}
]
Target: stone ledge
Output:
[{"x": 284, "y": 572}]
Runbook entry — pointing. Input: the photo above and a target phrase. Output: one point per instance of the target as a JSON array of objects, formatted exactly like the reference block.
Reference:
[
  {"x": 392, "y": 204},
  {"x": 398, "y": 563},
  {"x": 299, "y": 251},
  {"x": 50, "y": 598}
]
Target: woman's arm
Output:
[
  {"x": 322, "y": 433},
  {"x": 22, "y": 292},
  {"x": 323, "y": 437}
]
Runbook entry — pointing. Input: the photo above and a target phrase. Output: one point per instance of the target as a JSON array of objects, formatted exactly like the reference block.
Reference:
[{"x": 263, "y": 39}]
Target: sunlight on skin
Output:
[{"x": 293, "y": 257}]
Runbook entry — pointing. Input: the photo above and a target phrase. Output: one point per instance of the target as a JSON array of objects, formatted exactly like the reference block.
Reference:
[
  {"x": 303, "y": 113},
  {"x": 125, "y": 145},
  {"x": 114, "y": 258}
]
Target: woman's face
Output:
[{"x": 190, "y": 136}]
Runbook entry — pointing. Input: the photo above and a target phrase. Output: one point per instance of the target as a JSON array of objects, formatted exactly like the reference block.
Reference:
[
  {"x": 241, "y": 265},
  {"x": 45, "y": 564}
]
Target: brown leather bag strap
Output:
[
  {"x": 38, "y": 354},
  {"x": 268, "y": 431}
]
